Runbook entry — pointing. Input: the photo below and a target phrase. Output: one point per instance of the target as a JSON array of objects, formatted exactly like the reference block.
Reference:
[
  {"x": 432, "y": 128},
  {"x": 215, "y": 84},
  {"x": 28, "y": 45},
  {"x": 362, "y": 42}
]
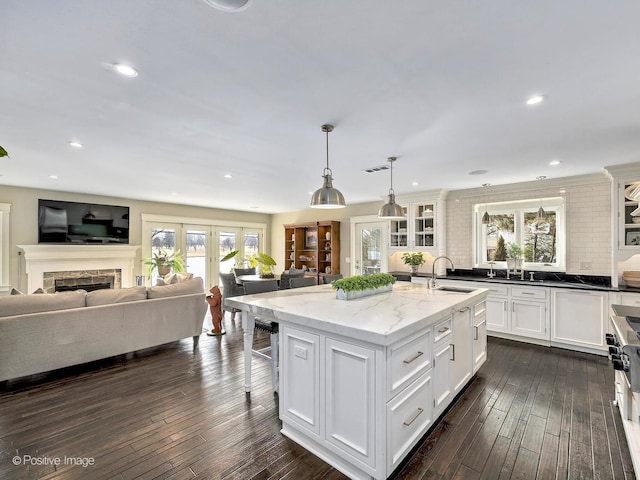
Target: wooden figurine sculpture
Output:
[{"x": 215, "y": 307}]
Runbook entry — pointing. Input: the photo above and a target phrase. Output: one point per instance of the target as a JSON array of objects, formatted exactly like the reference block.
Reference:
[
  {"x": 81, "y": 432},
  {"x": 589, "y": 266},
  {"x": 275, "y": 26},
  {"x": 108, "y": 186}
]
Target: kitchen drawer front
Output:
[
  {"x": 479, "y": 310},
  {"x": 530, "y": 293},
  {"x": 442, "y": 331},
  {"x": 408, "y": 360},
  {"x": 498, "y": 290},
  {"x": 409, "y": 416}
]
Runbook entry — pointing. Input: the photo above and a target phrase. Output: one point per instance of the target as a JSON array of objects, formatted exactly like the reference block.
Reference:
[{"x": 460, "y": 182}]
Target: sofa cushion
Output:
[
  {"x": 106, "y": 296},
  {"x": 182, "y": 288},
  {"x": 41, "y": 302}
]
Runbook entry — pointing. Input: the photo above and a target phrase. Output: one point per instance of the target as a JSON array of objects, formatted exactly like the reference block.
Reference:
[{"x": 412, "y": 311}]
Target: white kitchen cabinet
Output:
[
  {"x": 498, "y": 309},
  {"x": 442, "y": 357},
  {"x": 631, "y": 299},
  {"x": 579, "y": 319},
  {"x": 423, "y": 228},
  {"x": 529, "y": 312},
  {"x": 479, "y": 335},
  {"x": 462, "y": 349}
]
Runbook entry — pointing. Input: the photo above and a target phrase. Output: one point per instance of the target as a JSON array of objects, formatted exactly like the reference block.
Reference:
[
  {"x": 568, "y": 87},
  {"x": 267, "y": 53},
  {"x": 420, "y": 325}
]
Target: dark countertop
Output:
[{"x": 542, "y": 279}]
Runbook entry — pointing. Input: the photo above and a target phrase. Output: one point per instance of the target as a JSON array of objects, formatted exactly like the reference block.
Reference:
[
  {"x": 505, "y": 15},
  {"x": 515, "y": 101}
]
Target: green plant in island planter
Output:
[
  {"x": 165, "y": 262},
  {"x": 362, "y": 285},
  {"x": 414, "y": 260}
]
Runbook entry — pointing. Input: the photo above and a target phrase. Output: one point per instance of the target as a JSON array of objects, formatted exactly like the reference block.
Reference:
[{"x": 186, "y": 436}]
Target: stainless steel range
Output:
[{"x": 624, "y": 351}]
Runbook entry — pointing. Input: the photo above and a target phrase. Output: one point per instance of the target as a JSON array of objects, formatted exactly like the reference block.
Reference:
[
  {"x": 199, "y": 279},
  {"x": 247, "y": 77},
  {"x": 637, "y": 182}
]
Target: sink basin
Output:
[{"x": 447, "y": 288}]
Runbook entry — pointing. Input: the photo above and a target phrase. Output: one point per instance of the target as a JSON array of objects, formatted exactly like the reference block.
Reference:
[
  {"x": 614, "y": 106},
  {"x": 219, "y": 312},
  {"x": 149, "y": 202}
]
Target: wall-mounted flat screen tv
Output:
[{"x": 82, "y": 223}]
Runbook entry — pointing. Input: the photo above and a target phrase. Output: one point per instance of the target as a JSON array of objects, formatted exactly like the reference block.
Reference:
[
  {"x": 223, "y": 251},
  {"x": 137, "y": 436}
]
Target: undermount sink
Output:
[{"x": 446, "y": 288}]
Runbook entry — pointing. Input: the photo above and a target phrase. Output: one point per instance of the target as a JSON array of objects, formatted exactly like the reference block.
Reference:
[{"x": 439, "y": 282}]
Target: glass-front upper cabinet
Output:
[
  {"x": 631, "y": 215},
  {"x": 420, "y": 229},
  {"x": 398, "y": 232},
  {"x": 424, "y": 218}
]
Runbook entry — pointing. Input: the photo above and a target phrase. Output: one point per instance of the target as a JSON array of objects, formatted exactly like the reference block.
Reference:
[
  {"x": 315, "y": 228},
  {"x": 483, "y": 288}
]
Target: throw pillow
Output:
[
  {"x": 15, "y": 291},
  {"x": 38, "y": 290}
]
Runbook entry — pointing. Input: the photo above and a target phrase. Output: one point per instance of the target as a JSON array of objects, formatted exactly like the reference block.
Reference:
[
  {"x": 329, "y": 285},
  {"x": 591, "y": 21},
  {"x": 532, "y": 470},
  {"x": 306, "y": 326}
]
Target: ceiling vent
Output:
[{"x": 379, "y": 168}]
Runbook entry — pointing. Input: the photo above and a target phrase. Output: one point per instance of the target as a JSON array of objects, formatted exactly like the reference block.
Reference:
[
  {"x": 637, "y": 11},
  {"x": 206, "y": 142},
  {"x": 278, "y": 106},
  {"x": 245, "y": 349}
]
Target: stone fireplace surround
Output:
[{"x": 76, "y": 261}]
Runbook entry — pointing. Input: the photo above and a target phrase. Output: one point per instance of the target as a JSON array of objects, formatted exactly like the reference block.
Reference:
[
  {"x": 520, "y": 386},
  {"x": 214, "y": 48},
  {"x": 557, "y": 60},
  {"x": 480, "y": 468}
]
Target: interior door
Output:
[{"x": 370, "y": 254}]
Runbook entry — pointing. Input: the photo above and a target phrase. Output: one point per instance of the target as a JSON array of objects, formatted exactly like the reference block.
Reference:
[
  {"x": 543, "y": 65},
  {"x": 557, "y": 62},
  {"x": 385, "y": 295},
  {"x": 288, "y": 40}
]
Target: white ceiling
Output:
[{"x": 439, "y": 84}]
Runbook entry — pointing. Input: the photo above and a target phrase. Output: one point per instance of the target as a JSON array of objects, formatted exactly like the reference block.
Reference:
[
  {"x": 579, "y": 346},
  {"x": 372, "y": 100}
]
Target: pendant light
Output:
[
  {"x": 485, "y": 218},
  {"x": 327, "y": 196},
  {"x": 542, "y": 215},
  {"x": 391, "y": 209}
]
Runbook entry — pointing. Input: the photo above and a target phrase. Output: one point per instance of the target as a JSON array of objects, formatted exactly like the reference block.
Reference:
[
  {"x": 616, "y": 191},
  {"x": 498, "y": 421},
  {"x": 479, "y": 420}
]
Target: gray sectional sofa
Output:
[{"x": 42, "y": 332}]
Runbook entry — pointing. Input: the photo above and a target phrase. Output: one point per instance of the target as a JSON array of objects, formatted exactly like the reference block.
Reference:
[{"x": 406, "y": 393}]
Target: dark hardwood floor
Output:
[{"x": 175, "y": 413}]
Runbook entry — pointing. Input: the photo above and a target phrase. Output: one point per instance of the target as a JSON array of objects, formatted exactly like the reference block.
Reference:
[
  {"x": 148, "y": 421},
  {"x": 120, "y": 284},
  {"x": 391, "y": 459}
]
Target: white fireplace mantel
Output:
[{"x": 39, "y": 259}]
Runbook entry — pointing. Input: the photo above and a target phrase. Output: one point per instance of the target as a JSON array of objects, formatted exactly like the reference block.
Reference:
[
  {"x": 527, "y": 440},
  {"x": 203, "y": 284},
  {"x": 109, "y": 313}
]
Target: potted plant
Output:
[
  {"x": 363, "y": 285},
  {"x": 514, "y": 256},
  {"x": 264, "y": 264},
  {"x": 414, "y": 260},
  {"x": 3, "y": 152},
  {"x": 165, "y": 262},
  {"x": 238, "y": 262}
]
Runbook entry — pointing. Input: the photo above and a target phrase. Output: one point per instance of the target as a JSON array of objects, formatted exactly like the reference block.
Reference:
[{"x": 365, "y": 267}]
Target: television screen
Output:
[{"x": 83, "y": 223}]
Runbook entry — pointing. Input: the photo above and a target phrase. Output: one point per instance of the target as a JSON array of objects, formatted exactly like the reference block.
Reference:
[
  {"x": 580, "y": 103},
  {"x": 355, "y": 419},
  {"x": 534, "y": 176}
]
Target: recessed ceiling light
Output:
[
  {"x": 76, "y": 144},
  {"x": 555, "y": 162},
  {"x": 535, "y": 100},
  {"x": 254, "y": 207},
  {"x": 174, "y": 193},
  {"x": 54, "y": 177},
  {"x": 228, "y": 5},
  {"x": 562, "y": 190},
  {"x": 415, "y": 184},
  {"x": 228, "y": 175},
  {"x": 126, "y": 70},
  {"x": 478, "y": 172}
]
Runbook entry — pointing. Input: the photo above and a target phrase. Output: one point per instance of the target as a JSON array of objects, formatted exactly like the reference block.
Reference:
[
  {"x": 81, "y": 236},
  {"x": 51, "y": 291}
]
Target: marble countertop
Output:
[{"x": 381, "y": 319}]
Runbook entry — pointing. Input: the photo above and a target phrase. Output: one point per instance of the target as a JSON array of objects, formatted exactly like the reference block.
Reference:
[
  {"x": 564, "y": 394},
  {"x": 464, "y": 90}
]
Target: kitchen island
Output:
[{"x": 361, "y": 381}]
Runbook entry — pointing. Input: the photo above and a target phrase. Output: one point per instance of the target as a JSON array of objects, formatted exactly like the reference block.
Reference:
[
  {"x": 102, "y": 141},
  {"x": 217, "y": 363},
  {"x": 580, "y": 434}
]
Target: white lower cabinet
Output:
[
  {"x": 362, "y": 407},
  {"x": 462, "y": 349},
  {"x": 498, "y": 309},
  {"x": 580, "y": 319},
  {"x": 479, "y": 335}
]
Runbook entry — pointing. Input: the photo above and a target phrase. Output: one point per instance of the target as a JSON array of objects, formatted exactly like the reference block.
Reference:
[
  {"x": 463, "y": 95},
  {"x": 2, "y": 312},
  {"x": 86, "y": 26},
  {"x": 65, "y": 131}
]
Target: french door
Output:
[
  {"x": 203, "y": 245},
  {"x": 369, "y": 254}
]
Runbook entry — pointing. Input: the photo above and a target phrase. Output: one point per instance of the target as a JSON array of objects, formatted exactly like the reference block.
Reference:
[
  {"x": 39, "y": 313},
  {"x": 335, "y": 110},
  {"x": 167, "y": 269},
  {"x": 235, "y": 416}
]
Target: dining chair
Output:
[
  {"x": 230, "y": 288},
  {"x": 266, "y": 326},
  {"x": 287, "y": 275},
  {"x": 244, "y": 271},
  {"x": 302, "y": 282},
  {"x": 331, "y": 278}
]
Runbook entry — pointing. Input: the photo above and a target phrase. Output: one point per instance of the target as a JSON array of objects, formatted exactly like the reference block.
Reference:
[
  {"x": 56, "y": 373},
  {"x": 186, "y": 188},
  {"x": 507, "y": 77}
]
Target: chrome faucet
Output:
[{"x": 433, "y": 282}]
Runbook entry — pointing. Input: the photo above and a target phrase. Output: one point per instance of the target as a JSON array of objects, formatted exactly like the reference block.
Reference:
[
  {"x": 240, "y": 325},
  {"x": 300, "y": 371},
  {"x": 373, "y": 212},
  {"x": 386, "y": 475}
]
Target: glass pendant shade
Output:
[
  {"x": 485, "y": 219},
  {"x": 327, "y": 196},
  {"x": 542, "y": 216}
]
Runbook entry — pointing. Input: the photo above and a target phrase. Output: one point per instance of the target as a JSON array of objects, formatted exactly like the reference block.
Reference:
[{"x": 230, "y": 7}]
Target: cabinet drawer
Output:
[
  {"x": 479, "y": 310},
  {"x": 442, "y": 331},
  {"x": 498, "y": 290},
  {"x": 408, "y": 360},
  {"x": 409, "y": 416},
  {"x": 536, "y": 293}
]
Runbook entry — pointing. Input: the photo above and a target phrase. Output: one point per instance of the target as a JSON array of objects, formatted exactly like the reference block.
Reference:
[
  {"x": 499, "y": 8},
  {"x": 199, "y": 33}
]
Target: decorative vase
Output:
[
  {"x": 164, "y": 269},
  {"x": 413, "y": 270},
  {"x": 342, "y": 295}
]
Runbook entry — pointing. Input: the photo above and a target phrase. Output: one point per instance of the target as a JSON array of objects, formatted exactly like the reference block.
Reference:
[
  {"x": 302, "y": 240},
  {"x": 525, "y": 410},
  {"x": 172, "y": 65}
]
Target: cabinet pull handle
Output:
[
  {"x": 527, "y": 293},
  {"x": 453, "y": 352},
  {"x": 443, "y": 329},
  {"x": 414, "y": 358},
  {"x": 476, "y": 334},
  {"x": 463, "y": 310},
  {"x": 505, "y": 305},
  {"x": 413, "y": 419}
]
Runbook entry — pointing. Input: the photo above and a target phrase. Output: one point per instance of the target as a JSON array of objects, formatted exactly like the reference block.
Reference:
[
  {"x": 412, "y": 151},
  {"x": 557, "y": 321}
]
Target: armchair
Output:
[{"x": 230, "y": 289}]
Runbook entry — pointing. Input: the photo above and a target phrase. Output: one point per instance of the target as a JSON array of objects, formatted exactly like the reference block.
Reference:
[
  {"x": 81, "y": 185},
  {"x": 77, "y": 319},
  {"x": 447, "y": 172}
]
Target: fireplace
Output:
[
  {"x": 76, "y": 265},
  {"x": 88, "y": 280}
]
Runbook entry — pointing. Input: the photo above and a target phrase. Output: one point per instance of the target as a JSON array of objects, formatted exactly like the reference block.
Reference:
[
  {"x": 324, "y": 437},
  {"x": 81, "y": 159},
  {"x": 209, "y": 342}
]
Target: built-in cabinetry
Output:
[
  {"x": 579, "y": 319},
  {"x": 562, "y": 317},
  {"x": 314, "y": 245},
  {"x": 424, "y": 228},
  {"x": 367, "y": 405}
]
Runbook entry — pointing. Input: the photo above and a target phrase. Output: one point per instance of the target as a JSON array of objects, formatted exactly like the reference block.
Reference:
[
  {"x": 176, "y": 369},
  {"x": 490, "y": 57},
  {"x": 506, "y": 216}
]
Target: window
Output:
[{"x": 516, "y": 223}]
